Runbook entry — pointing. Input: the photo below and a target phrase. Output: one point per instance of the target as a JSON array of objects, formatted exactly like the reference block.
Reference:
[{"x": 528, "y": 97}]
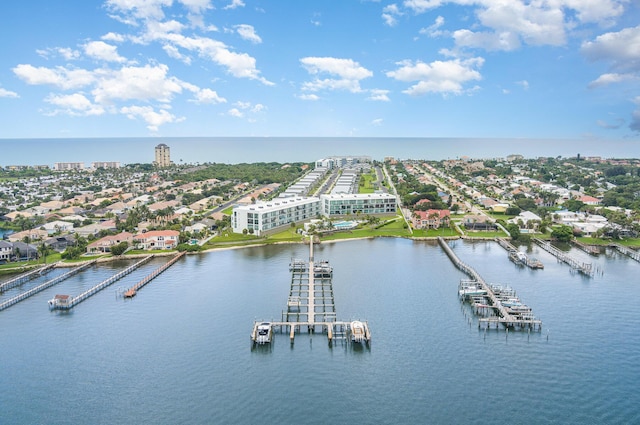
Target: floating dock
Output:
[
  {"x": 65, "y": 302},
  {"x": 311, "y": 306},
  {"x": 496, "y": 304},
  {"x": 131, "y": 292},
  {"x": 19, "y": 280},
  {"x": 48, "y": 284},
  {"x": 584, "y": 268},
  {"x": 626, "y": 251}
]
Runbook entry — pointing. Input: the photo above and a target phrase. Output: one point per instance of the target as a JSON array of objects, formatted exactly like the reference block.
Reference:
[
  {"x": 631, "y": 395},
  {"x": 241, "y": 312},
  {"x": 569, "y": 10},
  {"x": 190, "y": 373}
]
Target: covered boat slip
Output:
[{"x": 311, "y": 305}]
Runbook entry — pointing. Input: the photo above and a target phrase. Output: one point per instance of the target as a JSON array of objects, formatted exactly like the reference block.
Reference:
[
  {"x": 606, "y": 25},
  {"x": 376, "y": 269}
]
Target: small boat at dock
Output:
[
  {"x": 357, "y": 331},
  {"x": 264, "y": 333}
]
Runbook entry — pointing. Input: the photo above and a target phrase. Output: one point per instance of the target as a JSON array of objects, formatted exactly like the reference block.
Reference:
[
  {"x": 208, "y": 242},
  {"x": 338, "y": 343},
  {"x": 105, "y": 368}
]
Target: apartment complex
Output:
[
  {"x": 64, "y": 166},
  {"x": 163, "y": 155},
  {"x": 264, "y": 217},
  {"x": 105, "y": 164}
]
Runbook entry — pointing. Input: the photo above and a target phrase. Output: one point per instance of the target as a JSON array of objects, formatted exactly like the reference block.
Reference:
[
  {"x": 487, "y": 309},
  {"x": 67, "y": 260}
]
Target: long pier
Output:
[
  {"x": 311, "y": 305},
  {"x": 627, "y": 251},
  {"x": 66, "y": 303},
  {"x": 131, "y": 292},
  {"x": 39, "y": 288},
  {"x": 26, "y": 277},
  {"x": 501, "y": 303},
  {"x": 584, "y": 268}
]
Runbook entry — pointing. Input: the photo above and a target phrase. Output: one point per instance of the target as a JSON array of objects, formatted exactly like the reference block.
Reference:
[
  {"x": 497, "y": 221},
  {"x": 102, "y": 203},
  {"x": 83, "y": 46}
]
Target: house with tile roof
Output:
[{"x": 157, "y": 239}]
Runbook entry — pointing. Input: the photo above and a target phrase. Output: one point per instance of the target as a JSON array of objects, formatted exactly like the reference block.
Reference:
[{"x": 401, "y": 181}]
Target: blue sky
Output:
[{"x": 413, "y": 68}]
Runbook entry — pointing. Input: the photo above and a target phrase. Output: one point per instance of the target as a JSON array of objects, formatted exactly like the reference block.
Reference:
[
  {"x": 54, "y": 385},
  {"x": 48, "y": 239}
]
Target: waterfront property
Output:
[
  {"x": 263, "y": 217},
  {"x": 269, "y": 216},
  {"x": 157, "y": 239}
]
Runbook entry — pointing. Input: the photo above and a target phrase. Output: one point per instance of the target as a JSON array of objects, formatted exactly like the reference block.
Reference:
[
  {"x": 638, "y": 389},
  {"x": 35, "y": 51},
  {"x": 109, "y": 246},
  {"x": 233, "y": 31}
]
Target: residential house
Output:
[
  {"x": 157, "y": 239},
  {"x": 24, "y": 251},
  {"x": 6, "y": 249},
  {"x": 60, "y": 243},
  {"x": 104, "y": 245},
  {"x": 57, "y": 227},
  {"x": 431, "y": 219},
  {"x": 31, "y": 235}
]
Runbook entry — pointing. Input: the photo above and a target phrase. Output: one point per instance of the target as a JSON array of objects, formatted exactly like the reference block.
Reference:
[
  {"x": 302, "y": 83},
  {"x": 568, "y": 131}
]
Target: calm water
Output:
[
  {"x": 180, "y": 353},
  {"x": 293, "y": 149}
]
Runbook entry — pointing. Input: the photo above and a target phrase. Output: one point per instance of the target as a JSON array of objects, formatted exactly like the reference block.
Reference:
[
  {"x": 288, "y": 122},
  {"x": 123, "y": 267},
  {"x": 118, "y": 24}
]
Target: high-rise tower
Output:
[{"x": 163, "y": 156}]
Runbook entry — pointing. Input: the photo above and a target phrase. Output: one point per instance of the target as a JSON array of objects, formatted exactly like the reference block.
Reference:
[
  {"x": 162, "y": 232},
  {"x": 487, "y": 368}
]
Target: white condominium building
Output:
[
  {"x": 265, "y": 216},
  {"x": 358, "y": 204}
]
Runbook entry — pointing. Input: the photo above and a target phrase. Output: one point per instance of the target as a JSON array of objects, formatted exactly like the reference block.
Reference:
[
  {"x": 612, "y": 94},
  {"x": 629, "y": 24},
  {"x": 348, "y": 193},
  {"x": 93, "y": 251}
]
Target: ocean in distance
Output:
[
  {"x": 291, "y": 149},
  {"x": 180, "y": 351}
]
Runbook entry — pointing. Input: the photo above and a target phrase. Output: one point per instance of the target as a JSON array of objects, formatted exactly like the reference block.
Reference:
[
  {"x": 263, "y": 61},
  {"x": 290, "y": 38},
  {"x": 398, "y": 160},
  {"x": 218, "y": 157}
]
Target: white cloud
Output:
[
  {"x": 247, "y": 32},
  {"x": 197, "y": 6},
  {"x": 421, "y": 6},
  {"x": 140, "y": 83},
  {"x": 235, "y": 112},
  {"x": 611, "y": 78},
  {"x": 112, "y": 36},
  {"x": 103, "y": 51},
  {"x": 137, "y": 9},
  {"x": 309, "y": 96},
  {"x": 173, "y": 52},
  {"x": 349, "y": 74},
  {"x": 61, "y": 77},
  {"x": 524, "y": 84},
  {"x": 506, "y": 41},
  {"x": 208, "y": 96},
  {"x": 74, "y": 104},
  {"x": 234, "y": 4},
  {"x": 379, "y": 95},
  {"x": 621, "y": 49},
  {"x": 390, "y": 14},
  {"x": 445, "y": 77},
  {"x": 65, "y": 52},
  {"x": 8, "y": 93},
  {"x": 434, "y": 29},
  {"x": 153, "y": 119},
  {"x": 377, "y": 122}
]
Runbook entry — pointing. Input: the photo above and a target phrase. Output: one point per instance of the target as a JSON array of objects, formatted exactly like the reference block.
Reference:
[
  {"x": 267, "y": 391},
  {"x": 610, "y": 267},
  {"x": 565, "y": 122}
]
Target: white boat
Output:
[
  {"x": 357, "y": 331},
  {"x": 264, "y": 333}
]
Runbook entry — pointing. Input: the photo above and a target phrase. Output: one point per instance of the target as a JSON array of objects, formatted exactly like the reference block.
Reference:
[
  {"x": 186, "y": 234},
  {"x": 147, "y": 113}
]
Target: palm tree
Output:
[{"x": 43, "y": 249}]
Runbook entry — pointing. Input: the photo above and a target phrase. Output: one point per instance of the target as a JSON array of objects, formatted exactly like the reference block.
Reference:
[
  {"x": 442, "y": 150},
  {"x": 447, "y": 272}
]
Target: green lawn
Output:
[
  {"x": 433, "y": 233},
  {"x": 596, "y": 241},
  {"x": 228, "y": 211},
  {"x": 366, "y": 183}
]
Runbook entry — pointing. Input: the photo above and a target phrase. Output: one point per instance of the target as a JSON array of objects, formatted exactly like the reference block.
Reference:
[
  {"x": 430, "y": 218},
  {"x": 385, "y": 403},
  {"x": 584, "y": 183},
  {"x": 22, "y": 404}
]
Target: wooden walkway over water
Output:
[
  {"x": 589, "y": 249},
  {"x": 131, "y": 292},
  {"x": 626, "y": 251},
  {"x": 584, "y": 268},
  {"x": 67, "y": 303},
  {"x": 498, "y": 302},
  {"x": 310, "y": 305},
  {"x": 48, "y": 284},
  {"x": 19, "y": 280}
]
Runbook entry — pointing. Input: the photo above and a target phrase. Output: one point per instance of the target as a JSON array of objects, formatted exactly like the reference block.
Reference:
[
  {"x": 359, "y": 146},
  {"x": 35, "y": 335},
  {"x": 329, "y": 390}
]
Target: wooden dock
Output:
[
  {"x": 589, "y": 249},
  {"x": 498, "y": 304},
  {"x": 25, "y": 277},
  {"x": 131, "y": 292},
  {"x": 310, "y": 305},
  {"x": 512, "y": 251},
  {"x": 62, "y": 303},
  {"x": 626, "y": 251},
  {"x": 48, "y": 284},
  {"x": 584, "y": 268}
]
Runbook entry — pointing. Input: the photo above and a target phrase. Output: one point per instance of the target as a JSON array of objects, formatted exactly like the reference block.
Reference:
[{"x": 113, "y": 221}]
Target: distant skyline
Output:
[
  {"x": 547, "y": 69},
  {"x": 281, "y": 149}
]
